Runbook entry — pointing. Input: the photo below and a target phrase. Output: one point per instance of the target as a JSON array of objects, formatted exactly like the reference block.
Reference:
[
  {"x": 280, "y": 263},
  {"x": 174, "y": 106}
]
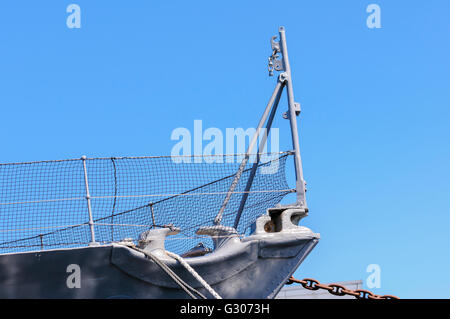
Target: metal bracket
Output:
[
  {"x": 278, "y": 63},
  {"x": 275, "y": 45},
  {"x": 283, "y": 77},
  {"x": 297, "y": 111},
  {"x": 275, "y": 62}
]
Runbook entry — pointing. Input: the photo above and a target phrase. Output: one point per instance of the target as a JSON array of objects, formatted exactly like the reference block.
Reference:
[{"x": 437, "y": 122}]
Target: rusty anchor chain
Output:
[{"x": 338, "y": 290}]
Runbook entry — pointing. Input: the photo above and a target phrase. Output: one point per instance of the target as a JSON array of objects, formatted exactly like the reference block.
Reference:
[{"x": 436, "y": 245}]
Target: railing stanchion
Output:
[{"x": 88, "y": 199}]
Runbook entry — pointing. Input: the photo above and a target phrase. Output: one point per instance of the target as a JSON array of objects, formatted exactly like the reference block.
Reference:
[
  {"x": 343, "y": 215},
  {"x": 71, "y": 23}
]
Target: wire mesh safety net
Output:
[{"x": 44, "y": 205}]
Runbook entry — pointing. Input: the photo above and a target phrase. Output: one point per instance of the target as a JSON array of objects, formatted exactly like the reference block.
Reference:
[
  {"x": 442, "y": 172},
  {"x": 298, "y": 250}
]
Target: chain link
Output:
[{"x": 337, "y": 290}]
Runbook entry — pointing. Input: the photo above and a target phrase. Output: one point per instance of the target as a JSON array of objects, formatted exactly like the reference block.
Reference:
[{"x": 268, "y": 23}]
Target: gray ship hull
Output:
[{"x": 253, "y": 267}]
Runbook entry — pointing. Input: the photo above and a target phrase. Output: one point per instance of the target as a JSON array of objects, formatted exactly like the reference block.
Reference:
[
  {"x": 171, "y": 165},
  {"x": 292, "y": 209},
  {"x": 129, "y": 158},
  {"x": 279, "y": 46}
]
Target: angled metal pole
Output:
[
  {"x": 219, "y": 215},
  {"x": 255, "y": 165},
  {"x": 292, "y": 114}
]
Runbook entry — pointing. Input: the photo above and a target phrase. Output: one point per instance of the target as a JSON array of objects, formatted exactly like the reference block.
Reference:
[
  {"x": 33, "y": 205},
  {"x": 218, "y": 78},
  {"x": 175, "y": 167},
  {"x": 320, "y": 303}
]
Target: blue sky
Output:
[{"x": 374, "y": 126}]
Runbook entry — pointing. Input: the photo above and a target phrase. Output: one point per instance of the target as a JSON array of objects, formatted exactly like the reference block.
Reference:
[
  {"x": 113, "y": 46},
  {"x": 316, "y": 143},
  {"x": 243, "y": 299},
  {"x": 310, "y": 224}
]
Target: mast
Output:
[
  {"x": 294, "y": 111},
  {"x": 284, "y": 80}
]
